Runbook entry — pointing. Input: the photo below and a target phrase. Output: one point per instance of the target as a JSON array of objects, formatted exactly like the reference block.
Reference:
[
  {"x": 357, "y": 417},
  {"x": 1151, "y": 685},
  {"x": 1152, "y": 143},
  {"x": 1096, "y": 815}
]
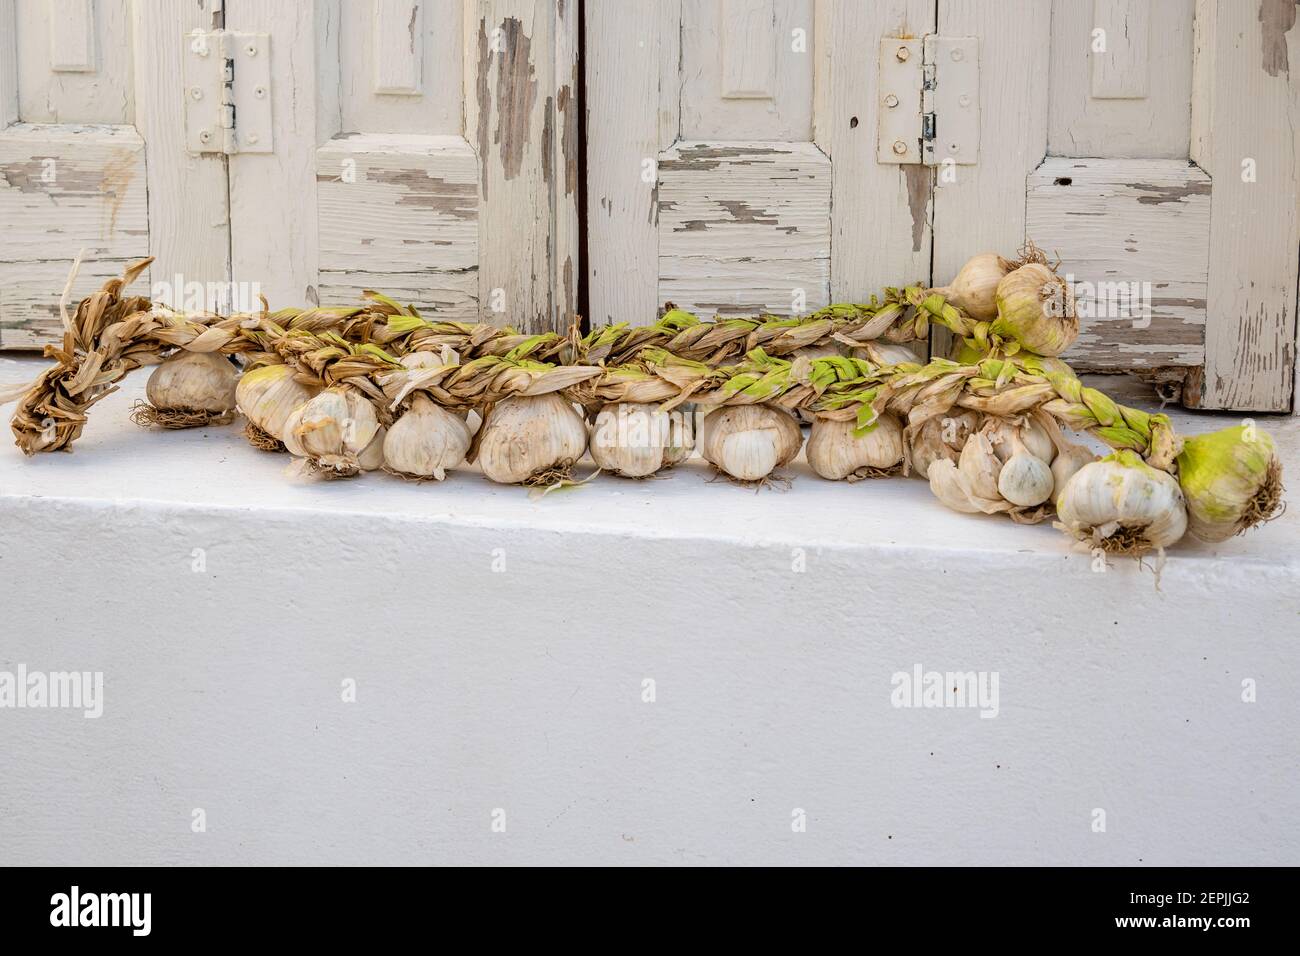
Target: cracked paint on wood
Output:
[
  {"x": 1135, "y": 234},
  {"x": 744, "y": 227}
]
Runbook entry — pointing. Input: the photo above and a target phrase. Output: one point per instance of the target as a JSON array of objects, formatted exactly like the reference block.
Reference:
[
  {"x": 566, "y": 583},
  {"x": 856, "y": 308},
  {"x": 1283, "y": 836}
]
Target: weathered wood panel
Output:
[
  {"x": 62, "y": 187},
  {"x": 54, "y": 89},
  {"x": 1246, "y": 135},
  {"x": 748, "y": 49},
  {"x": 399, "y": 65},
  {"x": 398, "y": 47},
  {"x": 8, "y": 65},
  {"x": 633, "y": 90},
  {"x": 1150, "y": 122},
  {"x": 1120, "y": 56},
  {"x": 1133, "y": 236},
  {"x": 438, "y": 295},
  {"x": 65, "y": 189},
  {"x": 189, "y": 220},
  {"x": 744, "y": 226},
  {"x": 881, "y": 215},
  {"x": 981, "y": 208},
  {"x": 745, "y": 73},
  {"x": 29, "y": 296},
  {"x": 72, "y": 36},
  {"x": 400, "y": 210},
  {"x": 525, "y": 131},
  {"x": 273, "y": 228}
]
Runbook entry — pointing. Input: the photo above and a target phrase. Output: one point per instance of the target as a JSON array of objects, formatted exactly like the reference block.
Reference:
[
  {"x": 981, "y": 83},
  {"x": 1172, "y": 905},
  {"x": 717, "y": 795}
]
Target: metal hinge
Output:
[
  {"x": 929, "y": 101},
  {"x": 227, "y": 93}
]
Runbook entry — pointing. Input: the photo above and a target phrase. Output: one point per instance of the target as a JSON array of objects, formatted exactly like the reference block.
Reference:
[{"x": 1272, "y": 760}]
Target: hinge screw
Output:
[
  {"x": 251, "y": 137},
  {"x": 891, "y": 101},
  {"x": 205, "y": 136},
  {"x": 900, "y": 147},
  {"x": 260, "y": 92},
  {"x": 196, "y": 94},
  {"x": 964, "y": 99},
  {"x": 957, "y": 54},
  {"x": 251, "y": 49},
  {"x": 903, "y": 54}
]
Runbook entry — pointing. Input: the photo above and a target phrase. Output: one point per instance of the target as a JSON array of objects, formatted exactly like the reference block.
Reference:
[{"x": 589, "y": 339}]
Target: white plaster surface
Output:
[{"x": 522, "y": 690}]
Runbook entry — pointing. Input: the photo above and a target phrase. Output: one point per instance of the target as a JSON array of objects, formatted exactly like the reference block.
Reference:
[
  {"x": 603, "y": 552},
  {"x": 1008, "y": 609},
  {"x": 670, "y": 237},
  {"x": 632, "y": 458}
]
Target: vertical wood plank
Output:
[
  {"x": 1121, "y": 70},
  {"x": 633, "y": 86},
  {"x": 273, "y": 216},
  {"x": 1246, "y": 135},
  {"x": 522, "y": 190},
  {"x": 398, "y": 46},
  {"x": 8, "y": 64},
  {"x": 189, "y": 221},
  {"x": 981, "y": 208},
  {"x": 564, "y": 147},
  {"x": 72, "y": 36},
  {"x": 748, "y": 49},
  {"x": 880, "y": 223}
]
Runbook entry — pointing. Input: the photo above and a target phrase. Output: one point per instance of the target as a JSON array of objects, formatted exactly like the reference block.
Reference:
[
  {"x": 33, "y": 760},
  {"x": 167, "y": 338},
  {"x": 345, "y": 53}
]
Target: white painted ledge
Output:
[{"x": 522, "y": 689}]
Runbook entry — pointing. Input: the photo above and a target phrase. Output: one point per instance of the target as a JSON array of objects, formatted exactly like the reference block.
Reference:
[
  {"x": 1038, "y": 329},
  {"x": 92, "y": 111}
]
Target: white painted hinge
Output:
[
  {"x": 929, "y": 101},
  {"x": 227, "y": 92}
]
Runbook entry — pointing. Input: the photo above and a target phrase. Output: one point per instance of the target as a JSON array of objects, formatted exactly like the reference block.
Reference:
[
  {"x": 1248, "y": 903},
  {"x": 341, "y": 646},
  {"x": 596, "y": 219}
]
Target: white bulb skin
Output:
[
  {"x": 525, "y": 435},
  {"x": 834, "y": 452},
  {"x": 194, "y": 381},
  {"x": 748, "y": 442}
]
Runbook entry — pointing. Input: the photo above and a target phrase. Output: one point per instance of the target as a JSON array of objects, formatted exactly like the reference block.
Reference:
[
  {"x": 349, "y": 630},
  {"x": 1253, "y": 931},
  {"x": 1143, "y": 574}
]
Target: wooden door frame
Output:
[{"x": 521, "y": 116}]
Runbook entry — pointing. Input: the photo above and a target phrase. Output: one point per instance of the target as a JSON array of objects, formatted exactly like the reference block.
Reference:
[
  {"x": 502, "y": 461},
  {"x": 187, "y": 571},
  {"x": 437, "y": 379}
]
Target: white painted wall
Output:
[{"x": 522, "y": 690}]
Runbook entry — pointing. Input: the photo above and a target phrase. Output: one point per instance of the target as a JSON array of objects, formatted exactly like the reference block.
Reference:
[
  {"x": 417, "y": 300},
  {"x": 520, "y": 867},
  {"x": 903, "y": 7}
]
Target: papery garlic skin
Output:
[
  {"x": 269, "y": 395},
  {"x": 1123, "y": 505},
  {"x": 194, "y": 381},
  {"x": 1036, "y": 308},
  {"x": 835, "y": 452},
  {"x": 980, "y": 466},
  {"x": 1232, "y": 480},
  {"x": 636, "y": 439},
  {"x": 524, "y": 436},
  {"x": 336, "y": 431},
  {"x": 974, "y": 289},
  {"x": 426, "y": 440},
  {"x": 1065, "y": 464},
  {"x": 748, "y": 442},
  {"x": 951, "y": 487},
  {"x": 940, "y": 437}
]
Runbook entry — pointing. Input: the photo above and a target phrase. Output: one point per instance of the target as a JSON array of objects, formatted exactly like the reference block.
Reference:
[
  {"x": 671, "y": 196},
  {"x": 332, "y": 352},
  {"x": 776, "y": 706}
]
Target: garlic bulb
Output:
[
  {"x": 974, "y": 290},
  {"x": 426, "y": 440},
  {"x": 1003, "y": 435},
  {"x": 268, "y": 396},
  {"x": 1232, "y": 480},
  {"x": 1036, "y": 308},
  {"x": 337, "y": 432},
  {"x": 980, "y": 466},
  {"x": 1122, "y": 505},
  {"x": 951, "y": 487},
  {"x": 525, "y": 437},
  {"x": 1066, "y": 463},
  {"x": 189, "y": 389},
  {"x": 940, "y": 437},
  {"x": 636, "y": 439},
  {"x": 1025, "y": 479},
  {"x": 836, "y": 452},
  {"x": 748, "y": 442}
]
